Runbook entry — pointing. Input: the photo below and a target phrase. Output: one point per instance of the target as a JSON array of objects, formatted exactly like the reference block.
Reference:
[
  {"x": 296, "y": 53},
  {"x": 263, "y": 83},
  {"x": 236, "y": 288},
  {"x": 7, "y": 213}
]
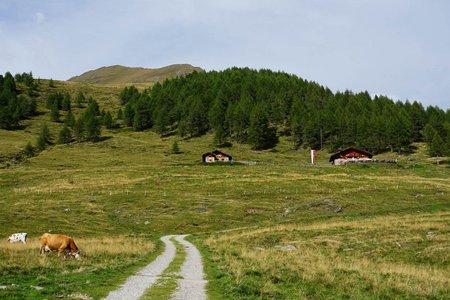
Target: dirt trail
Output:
[
  {"x": 191, "y": 286},
  {"x": 136, "y": 285}
]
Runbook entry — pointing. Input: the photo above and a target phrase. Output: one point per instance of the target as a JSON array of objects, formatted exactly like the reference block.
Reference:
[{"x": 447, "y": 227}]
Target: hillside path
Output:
[
  {"x": 192, "y": 285},
  {"x": 136, "y": 285}
]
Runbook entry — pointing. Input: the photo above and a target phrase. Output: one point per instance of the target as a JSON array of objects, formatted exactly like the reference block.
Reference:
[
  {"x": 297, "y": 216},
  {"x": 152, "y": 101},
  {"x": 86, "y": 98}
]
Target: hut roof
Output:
[
  {"x": 216, "y": 153},
  {"x": 343, "y": 153}
]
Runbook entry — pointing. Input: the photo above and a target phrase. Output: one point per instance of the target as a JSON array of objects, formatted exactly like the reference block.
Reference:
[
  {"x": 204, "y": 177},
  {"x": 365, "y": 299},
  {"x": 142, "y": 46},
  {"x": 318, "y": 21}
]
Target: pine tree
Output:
[
  {"x": 32, "y": 109},
  {"x": 70, "y": 119},
  {"x": 175, "y": 148},
  {"x": 93, "y": 107},
  {"x": 128, "y": 115},
  {"x": 66, "y": 104},
  {"x": 216, "y": 115},
  {"x": 120, "y": 114},
  {"x": 79, "y": 99},
  {"x": 43, "y": 139},
  {"x": 29, "y": 150},
  {"x": 197, "y": 122},
  {"x": 79, "y": 130},
  {"x": 297, "y": 122},
  {"x": 65, "y": 135},
  {"x": 437, "y": 146},
  {"x": 54, "y": 113},
  {"x": 40, "y": 143},
  {"x": 260, "y": 134},
  {"x": 108, "y": 120},
  {"x": 45, "y": 134},
  {"x": 92, "y": 126},
  {"x": 142, "y": 115},
  {"x": 220, "y": 137},
  {"x": 241, "y": 121}
]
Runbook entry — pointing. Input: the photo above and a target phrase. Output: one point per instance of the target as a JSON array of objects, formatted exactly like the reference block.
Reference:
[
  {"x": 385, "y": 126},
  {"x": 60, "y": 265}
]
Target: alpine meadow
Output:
[{"x": 115, "y": 159}]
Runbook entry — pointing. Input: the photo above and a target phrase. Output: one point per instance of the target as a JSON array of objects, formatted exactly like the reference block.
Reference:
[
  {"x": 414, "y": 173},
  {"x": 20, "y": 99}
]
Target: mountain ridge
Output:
[{"x": 118, "y": 74}]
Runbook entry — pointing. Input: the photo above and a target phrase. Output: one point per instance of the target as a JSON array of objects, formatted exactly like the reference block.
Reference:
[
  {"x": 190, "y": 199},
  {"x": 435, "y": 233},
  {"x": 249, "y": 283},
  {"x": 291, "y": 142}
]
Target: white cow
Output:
[{"x": 18, "y": 237}]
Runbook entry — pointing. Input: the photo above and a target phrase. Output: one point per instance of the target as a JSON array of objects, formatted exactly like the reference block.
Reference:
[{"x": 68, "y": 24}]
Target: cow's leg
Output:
[
  {"x": 42, "y": 250},
  {"x": 62, "y": 249}
]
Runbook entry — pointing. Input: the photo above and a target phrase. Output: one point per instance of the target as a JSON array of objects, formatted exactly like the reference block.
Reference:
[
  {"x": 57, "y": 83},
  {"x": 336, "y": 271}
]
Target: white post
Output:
[{"x": 313, "y": 157}]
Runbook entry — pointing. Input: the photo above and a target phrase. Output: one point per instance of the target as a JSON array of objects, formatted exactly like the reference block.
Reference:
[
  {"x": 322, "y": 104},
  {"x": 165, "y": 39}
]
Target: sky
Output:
[{"x": 397, "y": 48}]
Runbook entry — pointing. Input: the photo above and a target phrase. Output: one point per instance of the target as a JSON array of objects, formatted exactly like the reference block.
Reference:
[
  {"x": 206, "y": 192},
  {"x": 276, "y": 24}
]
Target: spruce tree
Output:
[
  {"x": 65, "y": 135},
  {"x": 120, "y": 114},
  {"x": 54, "y": 113},
  {"x": 92, "y": 127},
  {"x": 66, "y": 104},
  {"x": 29, "y": 150},
  {"x": 260, "y": 134},
  {"x": 79, "y": 130},
  {"x": 197, "y": 122},
  {"x": 220, "y": 137},
  {"x": 175, "y": 148},
  {"x": 108, "y": 120},
  {"x": 128, "y": 115},
  {"x": 79, "y": 99},
  {"x": 45, "y": 134},
  {"x": 437, "y": 146},
  {"x": 40, "y": 143},
  {"x": 70, "y": 119},
  {"x": 142, "y": 115}
]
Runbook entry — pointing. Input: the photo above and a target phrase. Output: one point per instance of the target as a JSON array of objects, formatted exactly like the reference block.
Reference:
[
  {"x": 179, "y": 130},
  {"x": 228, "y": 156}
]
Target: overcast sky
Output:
[{"x": 398, "y": 48}]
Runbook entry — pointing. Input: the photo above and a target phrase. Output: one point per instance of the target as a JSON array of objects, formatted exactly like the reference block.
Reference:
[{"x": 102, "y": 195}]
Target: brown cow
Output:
[{"x": 60, "y": 243}]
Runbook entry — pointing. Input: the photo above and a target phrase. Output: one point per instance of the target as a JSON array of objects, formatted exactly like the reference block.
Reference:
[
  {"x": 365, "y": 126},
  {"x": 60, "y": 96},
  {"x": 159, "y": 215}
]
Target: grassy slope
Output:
[
  {"x": 129, "y": 184},
  {"x": 122, "y": 75}
]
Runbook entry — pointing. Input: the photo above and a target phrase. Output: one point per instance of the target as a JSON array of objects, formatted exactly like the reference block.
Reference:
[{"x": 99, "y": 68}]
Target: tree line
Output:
[
  {"x": 256, "y": 107},
  {"x": 245, "y": 106},
  {"x": 14, "y": 105}
]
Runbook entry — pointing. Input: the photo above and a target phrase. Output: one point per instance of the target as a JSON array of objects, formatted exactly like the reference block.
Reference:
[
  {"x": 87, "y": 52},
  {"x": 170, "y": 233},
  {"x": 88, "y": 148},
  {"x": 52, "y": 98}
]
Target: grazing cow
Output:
[
  {"x": 60, "y": 243},
  {"x": 18, "y": 237}
]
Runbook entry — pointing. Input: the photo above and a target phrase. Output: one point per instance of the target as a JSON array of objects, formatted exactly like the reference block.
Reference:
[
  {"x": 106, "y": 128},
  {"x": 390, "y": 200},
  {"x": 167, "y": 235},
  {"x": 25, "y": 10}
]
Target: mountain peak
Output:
[{"x": 118, "y": 74}]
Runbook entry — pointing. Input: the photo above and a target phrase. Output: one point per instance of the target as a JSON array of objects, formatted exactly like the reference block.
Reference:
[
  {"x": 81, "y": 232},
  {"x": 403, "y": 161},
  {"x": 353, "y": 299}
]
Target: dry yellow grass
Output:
[
  {"x": 18, "y": 253},
  {"x": 409, "y": 254}
]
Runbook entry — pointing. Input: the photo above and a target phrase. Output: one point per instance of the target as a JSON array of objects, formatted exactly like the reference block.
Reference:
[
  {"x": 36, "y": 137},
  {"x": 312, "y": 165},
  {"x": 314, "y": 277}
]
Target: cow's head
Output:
[{"x": 76, "y": 255}]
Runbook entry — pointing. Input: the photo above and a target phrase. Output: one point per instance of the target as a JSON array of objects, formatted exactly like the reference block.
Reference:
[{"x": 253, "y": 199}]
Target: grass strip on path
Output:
[{"x": 167, "y": 283}]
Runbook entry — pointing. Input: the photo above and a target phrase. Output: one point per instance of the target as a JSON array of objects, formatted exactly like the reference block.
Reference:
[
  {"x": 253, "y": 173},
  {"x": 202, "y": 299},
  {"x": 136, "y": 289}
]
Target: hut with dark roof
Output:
[
  {"x": 216, "y": 156},
  {"x": 350, "y": 155}
]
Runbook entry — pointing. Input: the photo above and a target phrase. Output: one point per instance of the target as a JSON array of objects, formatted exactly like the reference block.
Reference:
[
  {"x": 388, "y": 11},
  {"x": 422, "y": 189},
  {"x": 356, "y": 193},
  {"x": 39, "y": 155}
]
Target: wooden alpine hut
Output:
[
  {"x": 216, "y": 156},
  {"x": 350, "y": 155}
]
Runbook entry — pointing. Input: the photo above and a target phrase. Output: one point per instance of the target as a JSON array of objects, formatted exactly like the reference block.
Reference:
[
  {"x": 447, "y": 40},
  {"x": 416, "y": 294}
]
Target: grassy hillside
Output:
[
  {"x": 123, "y": 75},
  {"x": 130, "y": 188}
]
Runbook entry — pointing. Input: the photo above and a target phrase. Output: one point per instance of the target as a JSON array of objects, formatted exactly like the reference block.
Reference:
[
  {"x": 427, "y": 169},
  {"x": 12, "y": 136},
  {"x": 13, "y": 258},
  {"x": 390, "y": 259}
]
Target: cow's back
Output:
[{"x": 54, "y": 241}]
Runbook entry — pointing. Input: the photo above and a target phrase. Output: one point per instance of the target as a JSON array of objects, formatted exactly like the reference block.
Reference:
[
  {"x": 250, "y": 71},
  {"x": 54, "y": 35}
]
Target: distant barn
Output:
[
  {"x": 350, "y": 155},
  {"x": 216, "y": 156}
]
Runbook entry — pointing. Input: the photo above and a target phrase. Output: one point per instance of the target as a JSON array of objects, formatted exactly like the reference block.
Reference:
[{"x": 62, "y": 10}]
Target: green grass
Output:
[
  {"x": 129, "y": 184},
  {"x": 105, "y": 262},
  {"x": 384, "y": 257}
]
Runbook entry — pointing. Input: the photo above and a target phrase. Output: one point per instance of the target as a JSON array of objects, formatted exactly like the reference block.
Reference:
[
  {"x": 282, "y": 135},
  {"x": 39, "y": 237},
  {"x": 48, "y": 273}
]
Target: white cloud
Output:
[
  {"x": 383, "y": 47},
  {"x": 39, "y": 18}
]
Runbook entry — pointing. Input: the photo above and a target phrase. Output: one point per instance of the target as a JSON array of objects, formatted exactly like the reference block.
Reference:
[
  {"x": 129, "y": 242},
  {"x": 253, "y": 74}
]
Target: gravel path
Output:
[
  {"x": 192, "y": 286},
  {"x": 136, "y": 285}
]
